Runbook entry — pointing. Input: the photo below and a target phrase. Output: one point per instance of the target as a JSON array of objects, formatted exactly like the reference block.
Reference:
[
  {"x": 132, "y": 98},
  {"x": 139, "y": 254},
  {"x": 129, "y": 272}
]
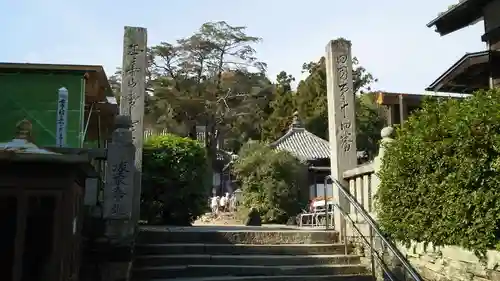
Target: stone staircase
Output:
[{"x": 220, "y": 254}]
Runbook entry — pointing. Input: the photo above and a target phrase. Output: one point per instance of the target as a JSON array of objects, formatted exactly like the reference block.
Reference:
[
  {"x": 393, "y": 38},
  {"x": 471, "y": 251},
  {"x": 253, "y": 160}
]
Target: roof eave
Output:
[
  {"x": 448, "y": 13},
  {"x": 457, "y": 13},
  {"x": 457, "y": 64},
  {"x": 101, "y": 76}
]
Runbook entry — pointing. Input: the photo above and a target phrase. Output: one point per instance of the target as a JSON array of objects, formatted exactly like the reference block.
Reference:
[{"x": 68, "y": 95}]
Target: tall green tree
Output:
[
  {"x": 281, "y": 109},
  {"x": 209, "y": 79},
  {"x": 249, "y": 126},
  {"x": 152, "y": 110}
]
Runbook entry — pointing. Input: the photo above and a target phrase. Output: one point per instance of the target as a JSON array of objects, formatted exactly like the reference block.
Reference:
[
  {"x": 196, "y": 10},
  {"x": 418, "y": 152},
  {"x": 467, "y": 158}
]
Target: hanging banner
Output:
[{"x": 62, "y": 117}]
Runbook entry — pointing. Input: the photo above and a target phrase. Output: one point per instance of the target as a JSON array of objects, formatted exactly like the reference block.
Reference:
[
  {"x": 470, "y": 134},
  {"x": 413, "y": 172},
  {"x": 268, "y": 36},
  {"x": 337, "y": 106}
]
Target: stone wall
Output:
[{"x": 452, "y": 263}]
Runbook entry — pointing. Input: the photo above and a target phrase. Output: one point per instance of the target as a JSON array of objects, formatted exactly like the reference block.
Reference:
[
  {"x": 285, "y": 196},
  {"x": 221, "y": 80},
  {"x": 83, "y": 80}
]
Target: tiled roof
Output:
[{"x": 302, "y": 143}]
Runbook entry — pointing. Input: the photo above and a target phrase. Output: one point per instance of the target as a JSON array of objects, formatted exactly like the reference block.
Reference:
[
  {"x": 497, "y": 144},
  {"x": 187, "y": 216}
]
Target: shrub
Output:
[
  {"x": 440, "y": 179},
  {"x": 274, "y": 182},
  {"x": 174, "y": 180}
]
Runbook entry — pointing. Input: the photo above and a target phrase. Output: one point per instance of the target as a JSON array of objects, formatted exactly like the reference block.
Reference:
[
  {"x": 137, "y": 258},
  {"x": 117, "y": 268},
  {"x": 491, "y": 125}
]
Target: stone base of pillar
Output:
[
  {"x": 116, "y": 271},
  {"x": 107, "y": 261},
  {"x": 109, "y": 257}
]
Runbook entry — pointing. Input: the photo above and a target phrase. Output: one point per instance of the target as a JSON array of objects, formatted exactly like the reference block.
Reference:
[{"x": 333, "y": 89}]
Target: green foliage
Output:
[
  {"x": 174, "y": 180},
  {"x": 312, "y": 104},
  {"x": 440, "y": 179},
  {"x": 274, "y": 182},
  {"x": 370, "y": 119},
  {"x": 211, "y": 78},
  {"x": 282, "y": 108},
  {"x": 251, "y": 119}
]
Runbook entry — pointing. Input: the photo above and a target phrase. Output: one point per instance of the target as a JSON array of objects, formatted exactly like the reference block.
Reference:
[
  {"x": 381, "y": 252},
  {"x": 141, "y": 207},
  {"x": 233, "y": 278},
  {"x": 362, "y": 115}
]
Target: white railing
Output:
[
  {"x": 362, "y": 186},
  {"x": 149, "y": 133}
]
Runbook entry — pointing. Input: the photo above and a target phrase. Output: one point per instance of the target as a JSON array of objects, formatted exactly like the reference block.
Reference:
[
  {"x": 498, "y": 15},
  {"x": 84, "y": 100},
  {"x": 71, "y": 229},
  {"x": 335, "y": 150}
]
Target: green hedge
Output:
[
  {"x": 440, "y": 179},
  {"x": 274, "y": 182},
  {"x": 174, "y": 180}
]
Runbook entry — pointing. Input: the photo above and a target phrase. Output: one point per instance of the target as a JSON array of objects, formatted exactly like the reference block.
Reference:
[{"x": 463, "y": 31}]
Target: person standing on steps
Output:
[
  {"x": 232, "y": 203},
  {"x": 223, "y": 203},
  {"x": 214, "y": 205}
]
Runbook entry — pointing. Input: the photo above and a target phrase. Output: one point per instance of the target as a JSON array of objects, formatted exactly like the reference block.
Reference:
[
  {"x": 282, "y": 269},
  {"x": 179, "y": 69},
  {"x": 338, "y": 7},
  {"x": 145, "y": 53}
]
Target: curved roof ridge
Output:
[{"x": 303, "y": 144}]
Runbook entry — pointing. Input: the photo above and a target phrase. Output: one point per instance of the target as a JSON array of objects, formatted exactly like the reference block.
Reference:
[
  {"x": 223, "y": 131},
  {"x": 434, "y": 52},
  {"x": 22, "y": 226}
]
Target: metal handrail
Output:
[
  {"x": 375, "y": 227},
  {"x": 374, "y": 253}
]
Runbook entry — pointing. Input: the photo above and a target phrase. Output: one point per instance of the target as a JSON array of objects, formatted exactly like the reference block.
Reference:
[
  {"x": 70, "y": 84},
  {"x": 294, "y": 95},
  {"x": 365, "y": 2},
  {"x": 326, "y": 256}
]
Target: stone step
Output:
[
  {"x": 239, "y": 249},
  {"x": 161, "y": 260},
  {"x": 275, "y": 278},
  {"x": 244, "y": 270},
  {"x": 239, "y": 237}
]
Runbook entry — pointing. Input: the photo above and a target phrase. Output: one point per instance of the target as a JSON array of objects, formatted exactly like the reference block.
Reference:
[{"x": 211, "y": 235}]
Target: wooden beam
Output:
[
  {"x": 403, "y": 109},
  {"x": 41, "y": 66},
  {"x": 92, "y": 153}
]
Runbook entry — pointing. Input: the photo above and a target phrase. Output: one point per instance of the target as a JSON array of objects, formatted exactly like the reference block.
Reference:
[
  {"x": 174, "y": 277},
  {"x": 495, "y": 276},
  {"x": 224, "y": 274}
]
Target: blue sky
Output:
[{"x": 389, "y": 37}]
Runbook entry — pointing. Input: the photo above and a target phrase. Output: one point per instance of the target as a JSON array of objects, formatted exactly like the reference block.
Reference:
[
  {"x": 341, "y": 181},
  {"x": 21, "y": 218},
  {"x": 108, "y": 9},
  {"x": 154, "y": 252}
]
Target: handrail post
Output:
[
  {"x": 325, "y": 189},
  {"x": 338, "y": 220},
  {"x": 372, "y": 255}
]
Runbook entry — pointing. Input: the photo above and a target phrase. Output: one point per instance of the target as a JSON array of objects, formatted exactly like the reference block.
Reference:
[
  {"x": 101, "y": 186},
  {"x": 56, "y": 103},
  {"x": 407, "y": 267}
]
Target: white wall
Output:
[{"x": 318, "y": 190}]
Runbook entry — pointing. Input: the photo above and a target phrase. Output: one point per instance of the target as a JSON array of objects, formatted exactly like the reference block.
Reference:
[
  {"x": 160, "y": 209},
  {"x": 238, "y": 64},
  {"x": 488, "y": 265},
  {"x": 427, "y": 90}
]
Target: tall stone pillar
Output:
[
  {"x": 133, "y": 92},
  {"x": 119, "y": 189},
  {"x": 119, "y": 195},
  {"x": 341, "y": 117}
]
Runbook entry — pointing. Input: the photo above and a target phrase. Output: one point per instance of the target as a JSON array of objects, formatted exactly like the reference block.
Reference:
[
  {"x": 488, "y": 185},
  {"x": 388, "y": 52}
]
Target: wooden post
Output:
[
  {"x": 403, "y": 110},
  {"x": 133, "y": 91},
  {"x": 341, "y": 117}
]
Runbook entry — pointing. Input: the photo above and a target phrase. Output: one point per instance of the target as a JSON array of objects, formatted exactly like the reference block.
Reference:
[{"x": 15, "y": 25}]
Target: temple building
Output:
[
  {"x": 477, "y": 70},
  {"x": 311, "y": 149}
]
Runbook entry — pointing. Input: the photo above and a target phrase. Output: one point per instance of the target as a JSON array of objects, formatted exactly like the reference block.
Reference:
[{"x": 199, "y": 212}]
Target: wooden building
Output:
[
  {"x": 43, "y": 188},
  {"x": 41, "y": 199},
  {"x": 470, "y": 73},
  {"x": 398, "y": 106},
  {"x": 478, "y": 70}
]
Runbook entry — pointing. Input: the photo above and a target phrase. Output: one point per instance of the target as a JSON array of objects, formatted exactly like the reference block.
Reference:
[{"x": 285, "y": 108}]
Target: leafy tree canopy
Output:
[
  {"x": 211, "y": 78},
  {"x": 214, "y": 79},
  {"x": 281, "y": 109},
  {"x": 312, "y": 105}
]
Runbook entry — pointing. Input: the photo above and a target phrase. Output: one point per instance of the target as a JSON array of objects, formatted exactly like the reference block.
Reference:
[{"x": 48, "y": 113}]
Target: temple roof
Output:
[
  {"x": 468, "y": 74},
  {"x": 464, "y": 13},
  {"x": 302, "y": 143}
]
